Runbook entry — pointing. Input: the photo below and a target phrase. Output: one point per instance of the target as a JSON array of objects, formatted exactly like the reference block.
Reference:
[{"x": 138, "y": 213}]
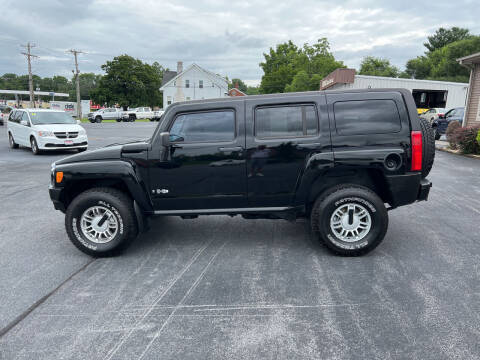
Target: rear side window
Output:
[
  {"x": 213, "y": 126},
  {"x": 286, "y": 121},
  {"x": 363, "y": 117}
]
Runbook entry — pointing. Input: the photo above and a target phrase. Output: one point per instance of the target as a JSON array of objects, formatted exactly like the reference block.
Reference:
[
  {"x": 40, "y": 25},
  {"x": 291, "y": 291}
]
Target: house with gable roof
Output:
[{"x": 193, "y": 83}]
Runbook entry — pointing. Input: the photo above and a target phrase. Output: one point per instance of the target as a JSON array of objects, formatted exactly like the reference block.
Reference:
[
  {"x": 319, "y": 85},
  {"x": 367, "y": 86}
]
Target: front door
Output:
[{"x": 204, "y": 168}]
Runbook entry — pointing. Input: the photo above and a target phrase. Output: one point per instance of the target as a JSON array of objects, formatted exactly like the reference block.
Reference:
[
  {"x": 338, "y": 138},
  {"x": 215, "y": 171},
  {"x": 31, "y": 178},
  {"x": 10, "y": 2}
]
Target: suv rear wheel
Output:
[
  {"x": 101, "y": 222},
  {"x": 351, "y": 220}
]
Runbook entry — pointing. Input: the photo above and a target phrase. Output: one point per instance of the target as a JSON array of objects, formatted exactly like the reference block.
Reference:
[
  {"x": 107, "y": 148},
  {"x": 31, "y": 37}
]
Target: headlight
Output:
[
  {"x": 45, "y": 133},
  {"x": 82, "y": 132}
]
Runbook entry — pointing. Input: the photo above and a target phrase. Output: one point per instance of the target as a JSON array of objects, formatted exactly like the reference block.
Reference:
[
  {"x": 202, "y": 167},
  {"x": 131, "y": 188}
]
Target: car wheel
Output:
[
  {"x": 131, "y": 118},
  {"x": 101, "y": 222},
  {"x": 437, "y": 134},
  {"x": 98, "y": 119},
  {"x": 34, "y": 146},
  {"x": 119, "y": 119},
  {"x": 351, "y": 220},
  {"x": 11, "y": 141},
  {"x": 92, "y": 121}
]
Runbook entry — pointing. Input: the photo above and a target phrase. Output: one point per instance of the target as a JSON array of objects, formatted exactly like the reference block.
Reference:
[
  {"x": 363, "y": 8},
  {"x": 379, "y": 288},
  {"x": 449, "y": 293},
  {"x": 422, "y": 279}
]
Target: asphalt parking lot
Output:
[{"x": 218, "y": 287}]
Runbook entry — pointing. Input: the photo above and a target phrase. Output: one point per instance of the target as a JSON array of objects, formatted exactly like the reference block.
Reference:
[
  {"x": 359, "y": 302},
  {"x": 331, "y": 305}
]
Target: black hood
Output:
[{"x": 109, "y": 152}]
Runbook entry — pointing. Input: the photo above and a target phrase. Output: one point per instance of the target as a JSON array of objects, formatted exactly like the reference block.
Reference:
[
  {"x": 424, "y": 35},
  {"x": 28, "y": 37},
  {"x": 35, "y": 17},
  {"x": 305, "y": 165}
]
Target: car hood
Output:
[
  {"x": 59, "y": 127},
  {"x": 109, "y": 152}
]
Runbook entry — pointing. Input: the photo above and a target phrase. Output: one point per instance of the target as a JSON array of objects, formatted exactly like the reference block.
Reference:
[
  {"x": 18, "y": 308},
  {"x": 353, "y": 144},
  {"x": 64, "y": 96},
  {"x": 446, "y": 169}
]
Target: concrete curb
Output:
[{"x": 456, "y": 152}]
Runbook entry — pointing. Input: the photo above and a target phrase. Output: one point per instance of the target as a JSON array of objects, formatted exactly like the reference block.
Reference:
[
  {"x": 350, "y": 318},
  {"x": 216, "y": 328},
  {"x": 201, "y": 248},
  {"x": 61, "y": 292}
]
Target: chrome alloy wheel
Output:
[
  {"x": 351, "y": 222},
  {"x": 99, "y": 224}
]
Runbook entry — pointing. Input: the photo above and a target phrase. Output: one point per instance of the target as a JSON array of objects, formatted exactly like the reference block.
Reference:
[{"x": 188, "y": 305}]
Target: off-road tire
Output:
[
  {"x": 34, "y": 146},
  {"x": 11, "y": 141},
  {"x": 98, "y": 119},
  {"x": 331, "y": 200},
  {"x": 428, "y": 142},
  {"x": 120, "y": 204}
]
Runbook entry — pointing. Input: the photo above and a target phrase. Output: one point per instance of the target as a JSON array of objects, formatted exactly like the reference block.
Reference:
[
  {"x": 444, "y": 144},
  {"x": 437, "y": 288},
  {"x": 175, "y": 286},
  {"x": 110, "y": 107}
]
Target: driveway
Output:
[{"x": 218, "y": 287}]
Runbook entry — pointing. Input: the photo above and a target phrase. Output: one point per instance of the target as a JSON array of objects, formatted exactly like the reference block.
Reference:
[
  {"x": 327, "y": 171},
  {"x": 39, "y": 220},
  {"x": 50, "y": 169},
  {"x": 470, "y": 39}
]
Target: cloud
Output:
[{"x": 225, "y": 37}]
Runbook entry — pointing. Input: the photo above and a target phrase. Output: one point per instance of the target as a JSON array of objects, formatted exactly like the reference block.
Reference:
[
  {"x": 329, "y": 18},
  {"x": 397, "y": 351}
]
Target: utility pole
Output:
[
  {"x": 29, "y": 55},
  {"x": 77, "y": 78}
]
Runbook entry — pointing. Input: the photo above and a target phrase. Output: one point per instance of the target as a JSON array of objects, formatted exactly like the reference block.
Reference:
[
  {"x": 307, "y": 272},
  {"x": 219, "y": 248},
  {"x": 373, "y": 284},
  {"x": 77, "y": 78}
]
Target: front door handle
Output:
[
  {"x": 230, "y": 149},
  {"x": 309, "y": 146}
]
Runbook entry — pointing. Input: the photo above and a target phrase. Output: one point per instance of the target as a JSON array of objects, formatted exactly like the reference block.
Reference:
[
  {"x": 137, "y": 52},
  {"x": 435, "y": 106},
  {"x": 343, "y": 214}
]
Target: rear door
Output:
[{"x": 280, "y": 138}]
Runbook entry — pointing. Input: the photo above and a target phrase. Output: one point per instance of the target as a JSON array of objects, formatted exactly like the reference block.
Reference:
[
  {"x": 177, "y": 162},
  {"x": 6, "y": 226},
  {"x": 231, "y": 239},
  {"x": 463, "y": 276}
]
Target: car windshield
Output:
[{"x": 51, "y": 117}]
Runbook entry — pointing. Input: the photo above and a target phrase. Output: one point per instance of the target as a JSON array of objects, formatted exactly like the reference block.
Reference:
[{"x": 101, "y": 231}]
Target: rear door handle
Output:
[
  {"x": 230, "y": 149},
  {"x": 309, "y": 146}
]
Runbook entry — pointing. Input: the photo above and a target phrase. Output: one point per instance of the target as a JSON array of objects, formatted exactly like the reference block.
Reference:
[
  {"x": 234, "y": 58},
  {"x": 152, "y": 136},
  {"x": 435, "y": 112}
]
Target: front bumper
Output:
[
  {"x": 57, "y": 198},
  {"x": 54, "y": 143}
]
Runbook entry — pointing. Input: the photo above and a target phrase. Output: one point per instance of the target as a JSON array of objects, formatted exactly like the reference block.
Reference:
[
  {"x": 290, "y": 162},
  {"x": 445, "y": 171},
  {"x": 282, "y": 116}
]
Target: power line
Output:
[{"x": 29, "y": 55}]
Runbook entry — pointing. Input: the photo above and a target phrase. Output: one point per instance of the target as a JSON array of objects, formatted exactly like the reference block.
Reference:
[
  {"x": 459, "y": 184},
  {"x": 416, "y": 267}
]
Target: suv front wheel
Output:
[
  {"x": 351, "y": 220},
  {"x": 101, "y": 222}
]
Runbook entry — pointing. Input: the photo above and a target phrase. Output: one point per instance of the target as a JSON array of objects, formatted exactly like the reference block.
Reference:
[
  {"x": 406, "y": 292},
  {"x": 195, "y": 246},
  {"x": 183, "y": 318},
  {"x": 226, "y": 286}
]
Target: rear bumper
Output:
[{"x": 408, "y": 188}]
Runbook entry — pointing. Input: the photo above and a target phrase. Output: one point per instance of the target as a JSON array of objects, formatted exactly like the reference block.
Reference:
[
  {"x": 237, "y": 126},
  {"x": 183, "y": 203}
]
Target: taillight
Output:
[{"x": 416, "y": 150}]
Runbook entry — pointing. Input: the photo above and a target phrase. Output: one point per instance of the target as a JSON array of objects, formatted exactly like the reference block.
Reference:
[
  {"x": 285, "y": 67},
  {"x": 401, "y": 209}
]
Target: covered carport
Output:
[{"x": 16, "y": 93}]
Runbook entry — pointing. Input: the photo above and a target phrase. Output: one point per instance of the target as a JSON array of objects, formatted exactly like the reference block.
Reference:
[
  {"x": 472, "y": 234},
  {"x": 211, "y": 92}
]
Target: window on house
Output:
[
  {"x": 187, "y": 83},
  {"x": 200, "y": 84},
  {"x": 169, "y": 100},
  {"x": 286, "y": 121}
]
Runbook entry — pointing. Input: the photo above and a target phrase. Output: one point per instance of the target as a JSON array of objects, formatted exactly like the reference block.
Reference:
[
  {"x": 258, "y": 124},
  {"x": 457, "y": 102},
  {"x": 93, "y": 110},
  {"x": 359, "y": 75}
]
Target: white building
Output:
[
  {"x": 192, "y": 84},
  {"x": 427, "y": 93}
]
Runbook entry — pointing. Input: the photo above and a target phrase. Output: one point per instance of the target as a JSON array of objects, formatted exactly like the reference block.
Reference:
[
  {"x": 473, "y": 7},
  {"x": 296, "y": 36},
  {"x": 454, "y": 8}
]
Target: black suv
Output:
[{"x": 336, "y": 158}]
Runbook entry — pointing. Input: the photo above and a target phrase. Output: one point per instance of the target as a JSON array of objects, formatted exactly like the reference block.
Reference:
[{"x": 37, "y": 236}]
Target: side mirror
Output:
[
  {"x": 165, "y": 139},
  {"x": 24, "y": 122}
]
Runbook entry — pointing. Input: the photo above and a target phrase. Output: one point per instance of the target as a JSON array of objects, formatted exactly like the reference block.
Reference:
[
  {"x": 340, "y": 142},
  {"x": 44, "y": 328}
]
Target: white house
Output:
[{"x": 192, "y": 84}]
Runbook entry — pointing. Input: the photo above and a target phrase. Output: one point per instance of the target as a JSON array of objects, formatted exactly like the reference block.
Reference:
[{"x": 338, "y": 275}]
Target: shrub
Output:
[
  {"x": 466, "y": 139},
  {"x": 454, "y": 125},
  {"x": 478, "y": 138}
]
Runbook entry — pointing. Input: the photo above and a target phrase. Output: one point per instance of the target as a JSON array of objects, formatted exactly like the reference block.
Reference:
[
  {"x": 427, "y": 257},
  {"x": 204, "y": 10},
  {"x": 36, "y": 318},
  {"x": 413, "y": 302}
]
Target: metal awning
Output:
[{"x": 25, "y": 92}]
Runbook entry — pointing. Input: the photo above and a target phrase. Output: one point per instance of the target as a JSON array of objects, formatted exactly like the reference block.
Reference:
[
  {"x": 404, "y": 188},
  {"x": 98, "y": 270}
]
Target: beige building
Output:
[{"x": 472, "y": 111}]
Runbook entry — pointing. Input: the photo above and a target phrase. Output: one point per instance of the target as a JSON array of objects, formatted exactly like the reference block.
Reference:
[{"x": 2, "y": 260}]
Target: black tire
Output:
[
  {"x": 92, "y": 121},
  {"x": 11, "y": 141},
  {"x": 132, "y": 118},
  {"x": 428, "y": 142},
  {"x": 153, "y": 120},
  {"x": 98, "y": 119},
  {"x": 119, "y": 119},
  {"x": 121, "y": 207},
  {"x": 34, "y": 146},
  {"x": 339, "y": 197},
  {"x": 437, "y": 134}
]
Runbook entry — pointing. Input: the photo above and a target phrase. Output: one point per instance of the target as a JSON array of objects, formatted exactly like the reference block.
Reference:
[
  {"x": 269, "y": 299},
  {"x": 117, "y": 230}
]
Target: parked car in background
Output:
[
  {"x": 157, "y": 114},
  {"x": 433, "y": 114},
  {"x": 440, "y": 125},
  {"x": 137, "y": 113},
  {"x": 45, "y": 129},
  {"x": 105, "y": 114},
  {"x": 4, "y": 113}
]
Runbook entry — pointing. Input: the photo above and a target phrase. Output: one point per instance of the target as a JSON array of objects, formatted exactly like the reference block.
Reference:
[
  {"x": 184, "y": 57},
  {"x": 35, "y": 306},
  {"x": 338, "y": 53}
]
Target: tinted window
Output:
[
  {"x": 12, "y": 116},
  {"x": 286, "y": 121},
  {"x": 204, "y": 127},
  {"x": 366, "y": 117}
]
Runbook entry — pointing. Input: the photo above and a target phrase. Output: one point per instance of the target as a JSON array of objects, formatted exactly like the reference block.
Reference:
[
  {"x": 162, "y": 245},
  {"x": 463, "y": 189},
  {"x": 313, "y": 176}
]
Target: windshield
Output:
[{"x": 50, "y": 117}]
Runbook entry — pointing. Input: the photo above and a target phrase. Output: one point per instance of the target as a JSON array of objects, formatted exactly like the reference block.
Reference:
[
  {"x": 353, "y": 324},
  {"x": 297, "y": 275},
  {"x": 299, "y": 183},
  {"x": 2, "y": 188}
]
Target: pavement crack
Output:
[{"x": 40, "y": 301}]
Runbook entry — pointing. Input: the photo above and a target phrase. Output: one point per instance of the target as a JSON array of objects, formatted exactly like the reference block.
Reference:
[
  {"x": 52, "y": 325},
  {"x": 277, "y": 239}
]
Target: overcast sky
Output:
[{"x": 228, "y": 38}]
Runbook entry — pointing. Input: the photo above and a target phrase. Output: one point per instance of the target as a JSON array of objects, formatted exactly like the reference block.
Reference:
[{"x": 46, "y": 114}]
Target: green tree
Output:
[
  {"x": 290, "y": 68},
  {"x": 129, "y": 82},
  {"x": 371, "y": 65},
  {"x": 253, "y": 90},
  {"x": 241, "y": 85},
  {"x": 443, "y": 37}
]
